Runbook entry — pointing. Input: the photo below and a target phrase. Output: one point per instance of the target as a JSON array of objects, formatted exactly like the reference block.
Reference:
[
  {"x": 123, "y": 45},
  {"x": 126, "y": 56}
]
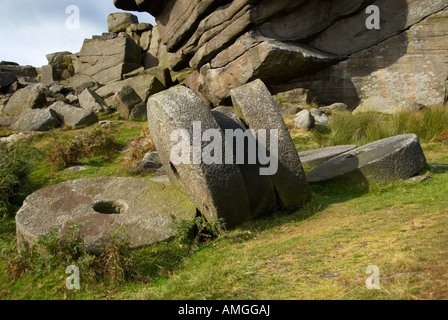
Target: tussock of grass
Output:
[{"x": 429, "y": 125}]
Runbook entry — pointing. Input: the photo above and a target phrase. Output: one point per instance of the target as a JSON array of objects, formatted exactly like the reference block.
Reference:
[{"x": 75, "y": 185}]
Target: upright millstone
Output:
[
  {"x": 254, "y": 104},
  {"x": 259, "y": 188},
  {"x": 217, "y": 189}
]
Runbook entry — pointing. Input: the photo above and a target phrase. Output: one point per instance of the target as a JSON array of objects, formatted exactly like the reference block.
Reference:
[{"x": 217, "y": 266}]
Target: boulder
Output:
[
  {"x": 140, "y": 209},
  {"x": 304, "y": 120},
  {"x": 119, "y": 21},
  {"x": 151, "y": 160},
  {"x": 31, "y": 97},
  {"x": 19, "y": 71},
  {"x": 7, "y": 121},
  {"x": 36, "y": 120},
  {"x": 386, "y": 106},
  {"x": 6, "y": 79},
  {"x": 299, "y": 96},
  {"x": 314, "y": 158},
  {"x": 386, "y": 160},
  {"x": 255, "y": 106},
  {"x": 107, "y": 60},
  {"x": 73, "y": 116},
  {"x": 144, "y": 85},
  {"x": 125, "y": 100},
  {"x": 319, "y": 115},
  {"x": 209, "y": 185},
  {"x": 139, "y": 112},
  {"x": 287, "y": 109},
  {"x": 90, "y": 100},
  {"x": 335, "y": 107}
]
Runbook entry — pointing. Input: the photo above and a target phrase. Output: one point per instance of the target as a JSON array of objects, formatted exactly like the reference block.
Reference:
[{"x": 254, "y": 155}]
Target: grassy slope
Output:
[{"x": 321, "y": 252}]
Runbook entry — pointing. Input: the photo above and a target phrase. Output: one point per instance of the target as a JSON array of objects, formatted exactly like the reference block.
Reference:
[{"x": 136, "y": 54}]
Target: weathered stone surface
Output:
[
  {"x": 269, "y": 61},
  {"x": 387, "y": 106},
  {"x": 19, "y": 71},
  {"x": 119, "y": 21},
  {"x": 210, "y": 186},
  {"x": 139, "y": 112},
  {"x": 287, "y": 109},
  {"x": 386, "y": 160},
  {"x": 107, "y": 60},
  {"x": 73, "y": 116},
  {"x": 304, "y": 120},
  {"x": 260, "y": 189},
  {"x": 335, "y": 106},
  {"x": 7, "y": 121},
  {"x": 151, "y": 160},
  {"x": 144, "y": 85},
  {"x": 319, "y": 115},
  {"x": 6, "y": 79},
  {"x": 36, "y": 120},
  {"x": 255, "y": 106},
  {"x": 314, "y": 158},
  {"x": 90, "y": 100},
  {"x": 125, "y": 100},
  {"x": 31, "y": 97},
  {"x": 296, "y": 96},
  {"x": 141, "y": 208}
]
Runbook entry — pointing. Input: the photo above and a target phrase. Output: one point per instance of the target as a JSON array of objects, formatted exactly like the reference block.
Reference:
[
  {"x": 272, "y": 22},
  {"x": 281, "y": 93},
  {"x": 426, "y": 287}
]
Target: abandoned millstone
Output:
[
  {"x": 390, "y": 159},
  {"x": 141, "y": 209},
  {"x": 260, "y": 189},
  {"x": 218, "y": 190},
  {"x": 314, "y": 158},
  {"x": 255, "y": 106},
  {"x": 304, "y": 120},
  {"x": 36, "y": 120},
  {"x": 73, "y": 116}
]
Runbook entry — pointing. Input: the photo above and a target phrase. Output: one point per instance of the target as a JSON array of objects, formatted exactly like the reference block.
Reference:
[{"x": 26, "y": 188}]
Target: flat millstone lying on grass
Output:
[
  {"x": 218, "y": 190},
  {"x": 386, "y": 160},
  {"x": 142, "y": 209},
  {"x": 314, "y": 158},
  {"x": 254, "y": 104}
]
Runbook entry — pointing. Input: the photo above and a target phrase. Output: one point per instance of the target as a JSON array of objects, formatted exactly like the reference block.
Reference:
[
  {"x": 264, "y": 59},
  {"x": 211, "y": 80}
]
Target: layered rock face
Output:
[{"x": 322, "y": 45}]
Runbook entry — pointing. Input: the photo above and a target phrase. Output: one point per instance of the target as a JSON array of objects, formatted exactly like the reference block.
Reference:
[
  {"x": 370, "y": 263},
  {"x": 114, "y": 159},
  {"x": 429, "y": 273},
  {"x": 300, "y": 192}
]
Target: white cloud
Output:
[{"x": 32, "y": 29}]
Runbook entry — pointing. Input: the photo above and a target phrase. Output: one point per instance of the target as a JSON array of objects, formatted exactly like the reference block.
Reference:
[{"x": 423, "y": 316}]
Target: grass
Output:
[{"x": 319, "y": 252}]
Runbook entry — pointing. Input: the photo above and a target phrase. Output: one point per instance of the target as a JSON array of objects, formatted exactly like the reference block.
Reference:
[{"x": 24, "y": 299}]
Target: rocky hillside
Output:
[{"x": 322, "y": 45}]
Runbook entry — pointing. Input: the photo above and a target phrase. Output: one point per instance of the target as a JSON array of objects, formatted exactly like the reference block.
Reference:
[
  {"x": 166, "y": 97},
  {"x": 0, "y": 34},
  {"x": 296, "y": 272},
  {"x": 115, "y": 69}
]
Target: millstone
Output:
[
  {"x": 259, "y": 188},
  {"x": 386, "y": 160},
  {"x": 316, "y": 157},
  {"x": 254, "y": 104},
  {"x": 218, "y": 190},
  {"x": 141, "y": 209}
]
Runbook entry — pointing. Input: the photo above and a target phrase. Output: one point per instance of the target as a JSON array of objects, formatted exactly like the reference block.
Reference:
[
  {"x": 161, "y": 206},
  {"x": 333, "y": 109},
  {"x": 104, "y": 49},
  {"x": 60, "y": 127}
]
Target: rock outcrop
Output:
[{"x": 323, "y": 45}]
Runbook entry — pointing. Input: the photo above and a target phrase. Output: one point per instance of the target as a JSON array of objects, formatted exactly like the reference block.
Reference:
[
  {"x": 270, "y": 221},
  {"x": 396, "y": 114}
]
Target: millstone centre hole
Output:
[{"x": 108, "y": 207}]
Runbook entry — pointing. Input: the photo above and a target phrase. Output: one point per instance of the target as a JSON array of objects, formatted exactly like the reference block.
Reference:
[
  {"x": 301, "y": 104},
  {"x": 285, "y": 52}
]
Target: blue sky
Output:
[{"x": 30, "y": 29}]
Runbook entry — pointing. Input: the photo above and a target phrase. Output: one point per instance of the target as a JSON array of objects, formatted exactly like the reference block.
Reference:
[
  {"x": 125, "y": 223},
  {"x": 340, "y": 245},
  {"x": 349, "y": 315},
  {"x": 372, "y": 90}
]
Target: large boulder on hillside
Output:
[
  {"x": 73, "y": 116},
  {"x": 254, "y": 104},
  {"x": 90, "y": 100},
  {"x": 210, "y": 184},
  {"x": 118, "y": 22},
  {"x": 386, "y": 160},
  {"x": 125, "y": 100},
  {"x": 107, "y": 59},
  {"x": 36, "y": 120},
  {"x": 19, "y": 71},
  {"x": 144, "y": 85},
  {"x": 139, "y": 210},
  {"x": 31, "y": 97}
]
